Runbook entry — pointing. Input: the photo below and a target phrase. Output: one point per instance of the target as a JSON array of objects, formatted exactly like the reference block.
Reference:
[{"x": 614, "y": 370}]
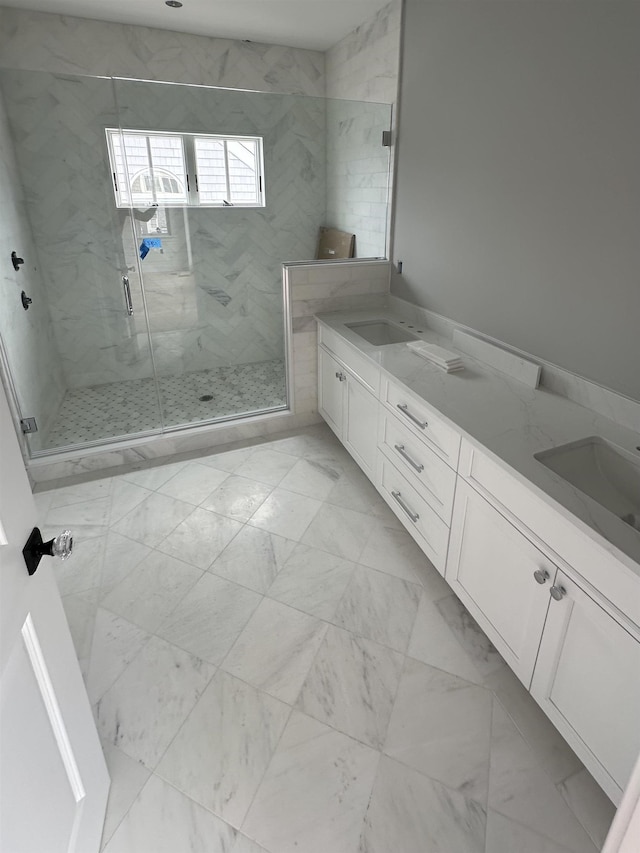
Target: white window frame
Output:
[{"x": 189, "y": 152}]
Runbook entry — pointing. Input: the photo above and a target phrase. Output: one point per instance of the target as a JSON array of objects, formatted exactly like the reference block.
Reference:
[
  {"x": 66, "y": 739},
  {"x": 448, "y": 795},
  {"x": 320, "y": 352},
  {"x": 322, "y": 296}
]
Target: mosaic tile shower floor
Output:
[{"x": 120, "y": 408}]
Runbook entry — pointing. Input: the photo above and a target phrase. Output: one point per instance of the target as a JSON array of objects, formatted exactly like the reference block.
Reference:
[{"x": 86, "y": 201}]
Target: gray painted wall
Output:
[{"x": 518, "y": 191}]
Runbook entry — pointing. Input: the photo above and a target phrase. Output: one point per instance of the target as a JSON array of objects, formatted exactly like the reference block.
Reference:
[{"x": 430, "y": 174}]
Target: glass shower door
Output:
[
  {"x": 211, "y": 255},
  {"x": 89, "y": 377}
]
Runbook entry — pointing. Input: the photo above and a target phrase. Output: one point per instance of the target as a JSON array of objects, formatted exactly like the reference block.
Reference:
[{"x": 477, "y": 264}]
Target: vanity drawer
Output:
[
  {"x": 432, "y": 477},
  {"x": 361, "y": 367},
  {"x": 437, "y": 435},
  {"x": 426, "y": 527}
]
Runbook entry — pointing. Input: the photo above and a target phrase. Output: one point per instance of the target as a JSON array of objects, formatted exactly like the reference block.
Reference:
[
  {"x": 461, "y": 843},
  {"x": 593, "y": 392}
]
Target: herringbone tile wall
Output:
[{"x": 37, "y": 41}]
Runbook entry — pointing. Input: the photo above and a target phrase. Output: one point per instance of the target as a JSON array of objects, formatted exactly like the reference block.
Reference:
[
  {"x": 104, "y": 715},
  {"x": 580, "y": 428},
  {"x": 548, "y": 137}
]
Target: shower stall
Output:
[{"x": 153, "y": 220}]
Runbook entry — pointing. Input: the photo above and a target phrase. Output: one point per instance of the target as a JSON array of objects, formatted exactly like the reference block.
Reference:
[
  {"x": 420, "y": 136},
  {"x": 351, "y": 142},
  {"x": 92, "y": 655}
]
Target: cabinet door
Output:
[
  {"x": 587, "y": 680},
  {"x": 330, "y": 390},
  {"x": 501, "y": 577},
  {"x": 361, "y": 425}
]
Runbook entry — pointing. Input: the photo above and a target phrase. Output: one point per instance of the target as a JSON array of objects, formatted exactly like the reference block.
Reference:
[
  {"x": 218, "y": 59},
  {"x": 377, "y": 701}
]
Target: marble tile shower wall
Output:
[
  {"x": 361, "y": 67},
  {"x": 27, "y": 335},
  {"x": 237, "y": 254},
  {"x": 231, "y": 313},
  {"x": 316, "y": 288},
  {"x": 37, "y": 41}
]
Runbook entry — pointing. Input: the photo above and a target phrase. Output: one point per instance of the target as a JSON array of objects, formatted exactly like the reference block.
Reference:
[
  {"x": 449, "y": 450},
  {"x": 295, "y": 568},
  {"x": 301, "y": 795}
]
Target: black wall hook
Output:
[{"x": 16, "y": 261}]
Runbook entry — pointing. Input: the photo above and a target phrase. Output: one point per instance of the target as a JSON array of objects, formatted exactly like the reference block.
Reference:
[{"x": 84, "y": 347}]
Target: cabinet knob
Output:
[
  {"x": 541, "y": 575},
  {"x": 340, "y": 376},
  {"x": 557, "y": 592}
]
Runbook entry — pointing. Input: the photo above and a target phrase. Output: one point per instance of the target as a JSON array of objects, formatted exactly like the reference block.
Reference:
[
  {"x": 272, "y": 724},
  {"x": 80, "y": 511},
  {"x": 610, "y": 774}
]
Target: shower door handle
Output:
[{"x": 127, "y": 295}]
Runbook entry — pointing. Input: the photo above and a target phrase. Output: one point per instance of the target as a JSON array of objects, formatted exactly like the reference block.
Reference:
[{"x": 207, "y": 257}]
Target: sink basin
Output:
[
  {"x": 604, "y": 472},
  {"x": 381, "y": 332}
]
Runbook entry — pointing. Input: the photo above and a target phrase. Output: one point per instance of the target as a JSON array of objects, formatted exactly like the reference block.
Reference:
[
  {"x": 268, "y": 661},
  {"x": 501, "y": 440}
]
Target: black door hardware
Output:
[
  {"x": 36, "y": 549},
  {"x": 26, "y": 300},
  {"x": 16, "y": 261}
]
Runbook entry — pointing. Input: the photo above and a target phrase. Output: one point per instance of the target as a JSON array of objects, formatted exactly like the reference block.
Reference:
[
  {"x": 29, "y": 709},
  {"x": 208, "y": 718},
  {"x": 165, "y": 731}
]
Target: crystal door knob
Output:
[
  {"x": 557, "y": 592},
  {"x": 541, "y": 575},
  {"x": 60, "y": 546}
]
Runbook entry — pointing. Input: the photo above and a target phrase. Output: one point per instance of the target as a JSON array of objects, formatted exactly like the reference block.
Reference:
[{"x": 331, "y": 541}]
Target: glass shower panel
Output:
[
  {"x": 212, "y": 268},
  {"x": 96, "y": 380}
]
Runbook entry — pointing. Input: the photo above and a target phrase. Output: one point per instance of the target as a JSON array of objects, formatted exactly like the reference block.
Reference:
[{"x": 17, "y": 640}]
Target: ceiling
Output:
[{"x": 313, "y": 24}]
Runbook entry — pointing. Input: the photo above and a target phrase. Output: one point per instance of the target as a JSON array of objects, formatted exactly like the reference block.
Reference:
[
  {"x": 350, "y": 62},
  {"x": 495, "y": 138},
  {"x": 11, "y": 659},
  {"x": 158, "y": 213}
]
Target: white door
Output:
[
  {"x": 501, "y": 577},
  {"x": 587, "y": 680},
  {"x": 53, "y": 778}
]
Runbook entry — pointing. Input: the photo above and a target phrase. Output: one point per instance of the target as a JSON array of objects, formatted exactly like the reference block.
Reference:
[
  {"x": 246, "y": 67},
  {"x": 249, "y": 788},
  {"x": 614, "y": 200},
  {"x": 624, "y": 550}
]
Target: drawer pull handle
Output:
[
  {"x": 400, "y": 448},
  {"x": 541, "y": 575},
  {"x": 412, "y": 515},
  {"x": 405, "y": 411}
]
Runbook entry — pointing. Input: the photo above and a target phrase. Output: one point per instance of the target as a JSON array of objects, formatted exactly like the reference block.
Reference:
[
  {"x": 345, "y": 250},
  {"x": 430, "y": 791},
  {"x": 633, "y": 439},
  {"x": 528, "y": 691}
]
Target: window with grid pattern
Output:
[{"x": 185, "y": 169}]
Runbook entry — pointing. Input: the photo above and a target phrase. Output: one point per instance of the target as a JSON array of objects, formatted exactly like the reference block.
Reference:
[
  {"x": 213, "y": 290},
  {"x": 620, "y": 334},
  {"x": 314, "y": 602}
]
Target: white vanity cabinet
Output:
[
  {"x": 562, "y": 610},
  {"x": 587, "y": 680},
  {"x": 347, "y": 402},
  {"x": 502, "y": 579}
]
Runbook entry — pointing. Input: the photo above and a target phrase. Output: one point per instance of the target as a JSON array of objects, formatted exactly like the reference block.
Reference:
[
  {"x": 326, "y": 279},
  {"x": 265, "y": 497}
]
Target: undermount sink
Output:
[
  {"x": 604, "y": 472},
  {"x": 381, "y": 332}
]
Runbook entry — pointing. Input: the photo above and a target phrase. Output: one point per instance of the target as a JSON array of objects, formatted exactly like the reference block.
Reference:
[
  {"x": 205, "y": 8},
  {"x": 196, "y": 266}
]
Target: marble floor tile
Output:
[
  {"x": 227, "y": 460},
  {"x": 220, "y": 754},
  {"x": 353, "y": 490},
  {"x": 340, "y": 531},
  {"x": 441, "y": 726},
  {"x": 153, "y": 519},
  {"x": 410, "y": 813},
  {"x": 83, "y": 569},
  {"x": 396, "y": 553},
  {"x": 470, "y": 636},
  {"x": 286, "y": 514},
  {"x": 128, "y": 777},
  {"x": 116, "y": 642},
  {"x": 520, "y": 790},
  {"x": 276, "y": 649},
  {"x": 352, "y": 686},
  {"x": 125, "y": 497},
  {"x": 153, "y": 478},
  {"x": 193, "y": 483},
  {"x": 379, "y": 607},
  {"x": 507, "y": 836},
  {"x": 433, "y": 642},
  {"x": 311, "y": 478},
  {"x": 162, "y": 820},
  {"x": 246, "y": 845},
  {"x": 148, "y": 703},
  {"x": 553, "y": 753},
  {"x": 43, "y": 501},
  {"x": 267, "y": 466},
  {"x": 147, "y": 595},
  {"x": 121, "y": 556},
  {"x": 81, "y": 493},
  {"x": 590, "y": 805},
  {"x": 253, "y": 558},
  {"x": 85, "y": 520},
  {"x": 313, "y": 581},
  {"x": 237, "y": 497},
  {"x": 210, "y": 617},
  {"x": 315, "y": 792},
  {"x": 80, "y": 609},
  {"x": 201, "y": 537}
]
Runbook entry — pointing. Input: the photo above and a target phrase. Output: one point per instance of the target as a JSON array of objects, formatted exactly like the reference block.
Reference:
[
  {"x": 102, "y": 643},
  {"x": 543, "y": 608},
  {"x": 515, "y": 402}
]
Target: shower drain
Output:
[{"x": 205, "y": 398}]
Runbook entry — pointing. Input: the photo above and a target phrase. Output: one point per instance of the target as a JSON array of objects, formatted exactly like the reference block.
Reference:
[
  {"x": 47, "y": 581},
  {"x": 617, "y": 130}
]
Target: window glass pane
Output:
[
  {"x": 169, "y": 169},
  {"x": 243, "y": 171},
  {"x": 212, "y": 181}
]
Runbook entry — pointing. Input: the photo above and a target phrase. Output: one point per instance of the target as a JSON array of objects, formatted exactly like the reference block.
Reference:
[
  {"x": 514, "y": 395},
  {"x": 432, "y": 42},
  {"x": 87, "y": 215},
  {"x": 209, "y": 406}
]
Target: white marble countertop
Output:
[{"x": 509, "y": 421}]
